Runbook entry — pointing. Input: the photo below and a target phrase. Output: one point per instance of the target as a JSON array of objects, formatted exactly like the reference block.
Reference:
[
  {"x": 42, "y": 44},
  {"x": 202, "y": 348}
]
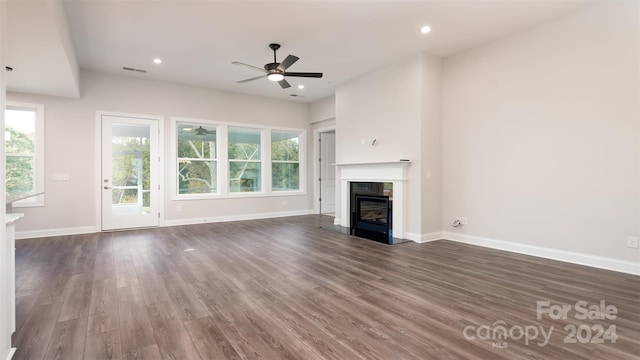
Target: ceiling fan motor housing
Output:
[{"x": 272, "y": 67}]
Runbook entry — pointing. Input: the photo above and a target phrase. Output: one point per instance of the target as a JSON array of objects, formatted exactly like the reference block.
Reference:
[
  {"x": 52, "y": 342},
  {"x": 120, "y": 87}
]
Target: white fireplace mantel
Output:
[{"x": 385, "y": 171}]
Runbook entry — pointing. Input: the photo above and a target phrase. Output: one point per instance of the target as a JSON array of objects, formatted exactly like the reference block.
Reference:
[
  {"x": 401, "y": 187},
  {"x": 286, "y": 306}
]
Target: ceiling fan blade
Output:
[
  {"x": 284, "y": 84},
  {"x": 251, "y": 79},
  {"x": 303, "y": 74},
  {"x": 249, "y": 66},
  {"x": 290, "y": 60}
]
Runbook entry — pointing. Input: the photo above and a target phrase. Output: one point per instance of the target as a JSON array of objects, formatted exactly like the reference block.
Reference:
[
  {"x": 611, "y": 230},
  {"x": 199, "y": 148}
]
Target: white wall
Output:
[
  {"x": 70, "y": 141},
  {"x": 431, "y": 148},
  {"x": 384, "y": 104},
  {"x": 323, "y": 109},
  {"x": 541, "y": 134}
]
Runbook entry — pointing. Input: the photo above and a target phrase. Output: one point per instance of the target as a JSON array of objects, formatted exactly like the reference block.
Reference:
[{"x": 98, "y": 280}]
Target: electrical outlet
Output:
[
  {"x": 632, "y": 242},
  {"x": 178, "y": 208},
  {"x": 463, "y": 220}
]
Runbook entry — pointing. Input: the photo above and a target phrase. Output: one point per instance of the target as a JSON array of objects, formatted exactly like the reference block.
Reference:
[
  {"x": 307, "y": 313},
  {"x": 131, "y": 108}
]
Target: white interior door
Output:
[
  {"x": 129, "y": 182},
  {"x": 327, "y": 172}
]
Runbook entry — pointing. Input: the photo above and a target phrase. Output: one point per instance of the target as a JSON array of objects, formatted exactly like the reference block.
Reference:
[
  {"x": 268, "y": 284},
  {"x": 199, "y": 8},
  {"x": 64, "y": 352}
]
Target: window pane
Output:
[
  {"x": 244, "y": 144},
  {"x": 24, "y": 128},
  {"x": 284, "y": 146},
  {"x": 124, "y": 196},
  {"x": 196, "y": 141},
  {"x": 197, "y": 177},
  {"x": 126, "y": 170},
  {"x": 244, "y": 176},
  {"x": 20, "y": 131},
  {"x": 197, "y": 154},
  {"x": 20, "y": 174},
  {"x": 285, "y": 176},
  {"x": 196, "y": 149}
]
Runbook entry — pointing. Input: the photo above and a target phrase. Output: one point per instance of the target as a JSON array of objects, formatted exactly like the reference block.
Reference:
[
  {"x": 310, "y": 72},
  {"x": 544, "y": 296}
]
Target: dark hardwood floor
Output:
[{"x": 292, "y": 288}]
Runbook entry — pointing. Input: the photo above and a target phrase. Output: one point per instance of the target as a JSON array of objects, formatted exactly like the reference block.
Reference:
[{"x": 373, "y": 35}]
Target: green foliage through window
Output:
[
  {"x": 245, "y": 160},
  {"x": 285, "y": 161},
  {"x": 20, "y": 150},
  {"x": 197, "y": 159},
  {"x": 131, "y": 169}
]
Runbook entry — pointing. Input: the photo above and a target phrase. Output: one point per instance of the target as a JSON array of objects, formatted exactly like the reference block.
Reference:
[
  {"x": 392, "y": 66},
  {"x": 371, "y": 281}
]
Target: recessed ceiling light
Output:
[
  {"x": 425, "y": 29},
  {"x": 300, "y": 86},
  {"x": 157, "y": 61}
]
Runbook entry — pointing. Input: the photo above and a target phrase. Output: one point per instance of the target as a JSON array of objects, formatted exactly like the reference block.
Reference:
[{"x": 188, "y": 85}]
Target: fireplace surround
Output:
[{"x": 394, "y": 172}]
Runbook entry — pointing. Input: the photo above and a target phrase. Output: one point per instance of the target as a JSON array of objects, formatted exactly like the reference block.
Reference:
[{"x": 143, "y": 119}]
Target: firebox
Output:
[{"x": 372, "y": 218}]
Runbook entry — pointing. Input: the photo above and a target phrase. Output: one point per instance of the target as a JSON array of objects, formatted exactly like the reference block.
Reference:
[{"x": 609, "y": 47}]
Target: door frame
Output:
[
  {"x": 316, "y": 166},
  {"x": 98, "y": 162}
]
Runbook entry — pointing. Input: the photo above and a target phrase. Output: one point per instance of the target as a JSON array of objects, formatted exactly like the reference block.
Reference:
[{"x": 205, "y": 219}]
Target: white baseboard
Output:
[
  {"x": 215, "y": 219},
  {"x": 410, "y": 236},
  {"x": 11, "y": 352},
  {"x": 601, "y": 262},
  {"x": 336, "y": 221},
  {"x": 92, "y": 229},
  {"x": 55, "y": 232},
  {"x": 423, "y": 238}
]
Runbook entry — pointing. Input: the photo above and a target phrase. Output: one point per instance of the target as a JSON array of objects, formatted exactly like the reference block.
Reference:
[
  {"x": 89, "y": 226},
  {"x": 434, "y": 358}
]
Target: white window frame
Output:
[
  {"x": 39, "y": 168},
  {"x": 222, "y": 132},
  {"x": 300, "y": 161}
]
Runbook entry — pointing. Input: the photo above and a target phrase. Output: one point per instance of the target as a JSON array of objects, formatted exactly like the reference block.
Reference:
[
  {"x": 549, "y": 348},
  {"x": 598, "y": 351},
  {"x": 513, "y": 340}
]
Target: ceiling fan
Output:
[
  {"x": 275, "y": 71},
  {"x": 200, "y": 131}
]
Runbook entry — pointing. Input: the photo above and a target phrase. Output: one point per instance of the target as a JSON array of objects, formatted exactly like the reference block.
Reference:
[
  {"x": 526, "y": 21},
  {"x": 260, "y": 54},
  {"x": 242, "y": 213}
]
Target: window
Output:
[
  {"x": 222, "y": 160},
  {"x": 245, "y": 160},
  {"x": 285, "y": 161},
  {"x": 24, "y": 150},
  {"x": 197, "y": 159}
]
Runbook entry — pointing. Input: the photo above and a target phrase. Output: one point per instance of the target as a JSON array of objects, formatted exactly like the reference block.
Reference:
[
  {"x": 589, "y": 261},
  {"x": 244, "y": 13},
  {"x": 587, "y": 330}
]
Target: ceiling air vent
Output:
[{"x": 134, "y": 69}]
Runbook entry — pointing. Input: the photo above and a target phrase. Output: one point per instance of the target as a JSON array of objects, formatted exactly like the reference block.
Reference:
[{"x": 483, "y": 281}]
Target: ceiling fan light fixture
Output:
[
  {"x": 277, "y": 71},
  {"x": 275, "y": 77}
]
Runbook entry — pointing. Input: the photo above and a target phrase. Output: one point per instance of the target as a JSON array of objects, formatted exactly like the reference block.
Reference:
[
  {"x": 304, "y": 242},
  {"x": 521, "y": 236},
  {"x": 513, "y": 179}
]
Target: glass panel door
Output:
[{"x": 129, "y": 176}]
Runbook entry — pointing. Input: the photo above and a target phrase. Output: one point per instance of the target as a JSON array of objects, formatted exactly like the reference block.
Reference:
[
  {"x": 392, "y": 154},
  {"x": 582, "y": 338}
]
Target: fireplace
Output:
[
  {"x": 385, "y": 178},
  {"x": 372, "y": 218}
]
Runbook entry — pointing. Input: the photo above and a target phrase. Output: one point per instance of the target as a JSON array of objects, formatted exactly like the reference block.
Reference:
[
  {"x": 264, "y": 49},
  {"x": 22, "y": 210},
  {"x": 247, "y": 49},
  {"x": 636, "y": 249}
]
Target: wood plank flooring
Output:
[{"x": 293, "y": 288}]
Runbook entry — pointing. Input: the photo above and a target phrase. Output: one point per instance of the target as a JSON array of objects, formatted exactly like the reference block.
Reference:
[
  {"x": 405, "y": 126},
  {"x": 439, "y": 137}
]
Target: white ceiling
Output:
[
  {"x": 198, "y": 40},
  {"x": 40, "y": 49}
]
